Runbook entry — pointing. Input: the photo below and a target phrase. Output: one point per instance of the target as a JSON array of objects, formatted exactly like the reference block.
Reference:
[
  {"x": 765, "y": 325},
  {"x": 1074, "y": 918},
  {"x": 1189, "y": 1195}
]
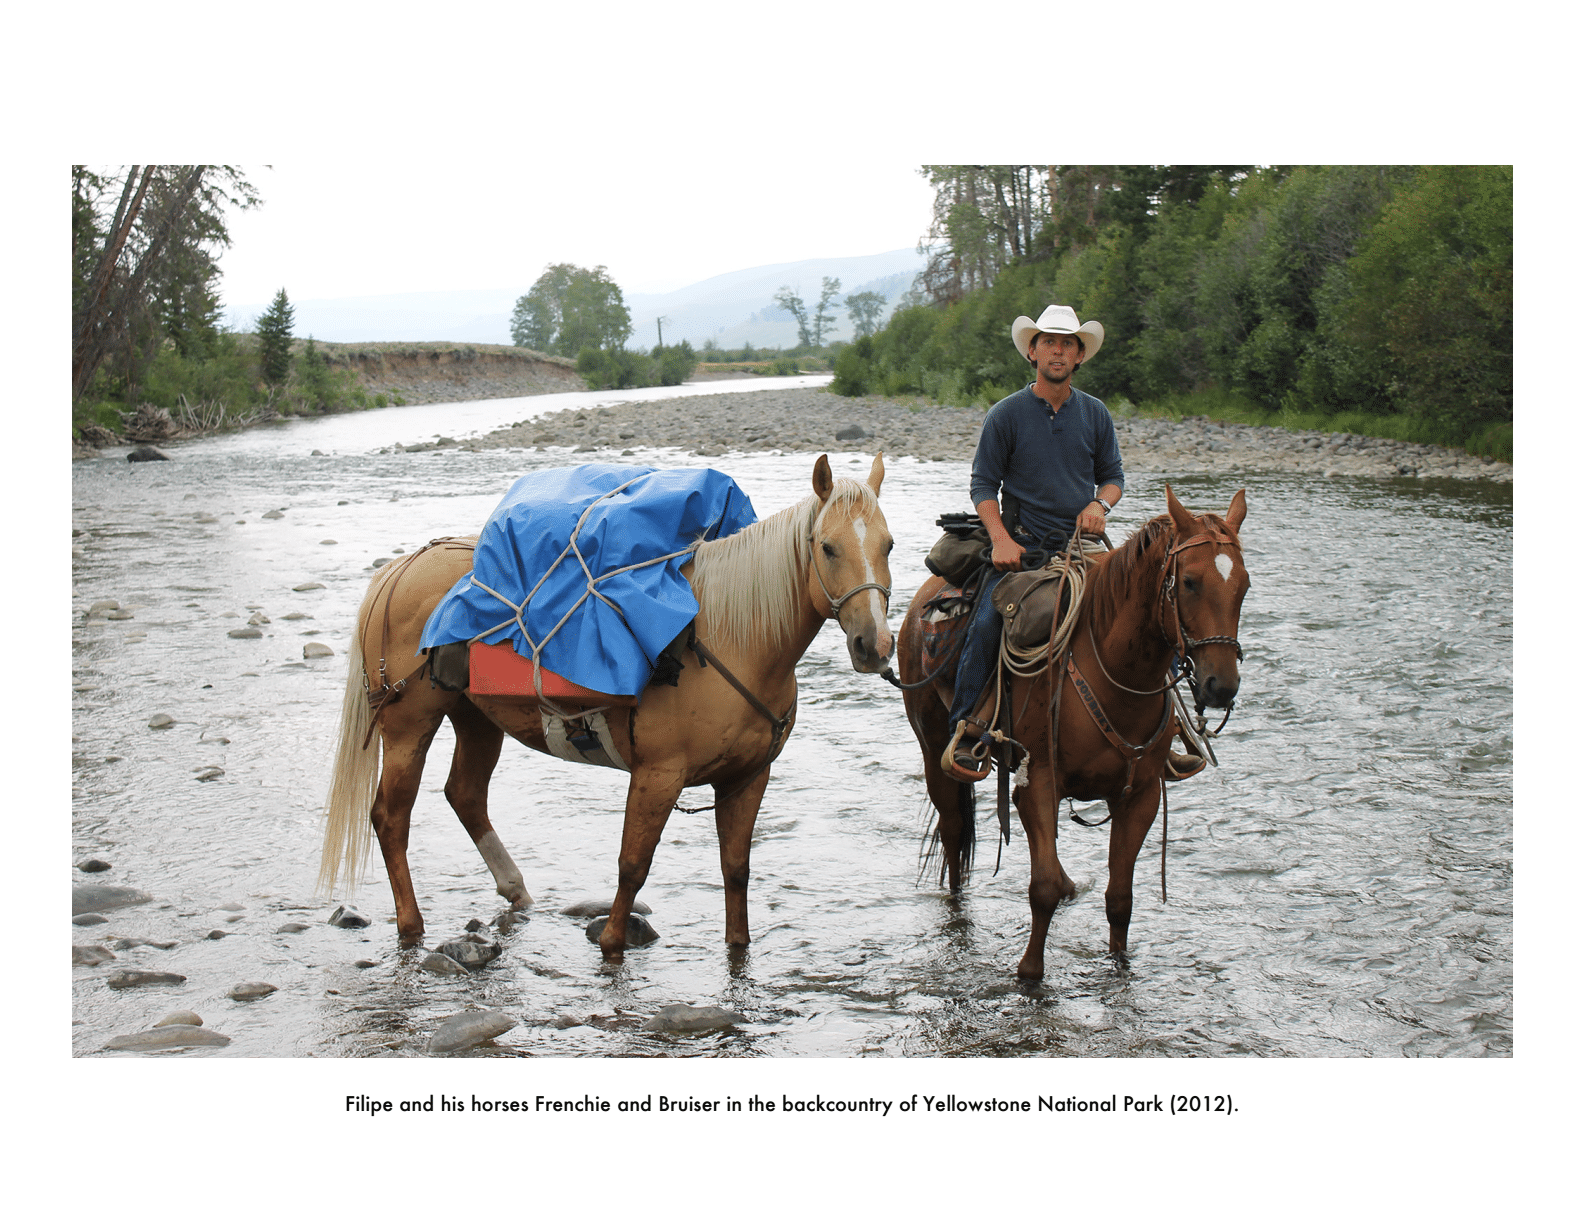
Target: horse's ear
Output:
[
  {"x": 877, "y": 472},
  {"x": 1236, "y": 512},
  {"x": 824, "y": 482},
  {"x": 1181, "y": 519}
]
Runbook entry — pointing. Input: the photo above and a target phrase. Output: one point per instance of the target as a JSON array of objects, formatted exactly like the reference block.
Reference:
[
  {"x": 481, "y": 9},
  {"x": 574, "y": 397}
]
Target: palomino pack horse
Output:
[
  {"x": 1174, "y": 588},
  {"x": 763, "y": 594}
]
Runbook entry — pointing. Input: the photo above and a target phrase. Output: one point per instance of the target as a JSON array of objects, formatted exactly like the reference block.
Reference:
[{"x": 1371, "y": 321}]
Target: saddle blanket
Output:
[{"x": 585, "y": 563}]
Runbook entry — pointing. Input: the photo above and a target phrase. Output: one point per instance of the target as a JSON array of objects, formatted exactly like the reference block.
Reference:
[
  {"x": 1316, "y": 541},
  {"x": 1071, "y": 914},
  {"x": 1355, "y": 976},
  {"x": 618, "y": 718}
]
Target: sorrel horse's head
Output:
[
  {"x": 849, "y": 575},
  {"x": 1204, "y": 586}
]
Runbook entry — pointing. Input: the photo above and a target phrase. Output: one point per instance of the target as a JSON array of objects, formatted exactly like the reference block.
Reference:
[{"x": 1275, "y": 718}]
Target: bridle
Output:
[
  {"x": 1184, "y": 641},
  {"x": 836, "y": 604}
]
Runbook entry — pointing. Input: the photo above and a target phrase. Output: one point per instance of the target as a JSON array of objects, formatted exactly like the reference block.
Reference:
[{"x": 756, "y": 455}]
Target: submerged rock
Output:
[
  {"x": 91, "y": 954},
  {"x": 144, "y": 977},
  {"x": 346, "y": 916},
  {"x": 244, "y": 991},
  {"x": 290, "y": 928},
  {"x": 467, "y": 1029},
  {"x": 160, "y": 721},
  {"x": 596, "y": 909},
  {"x": 681, "y": 1018},
  {"x": 639, "y": 932},
  {"x": 468, "y": 954},
  {"x": 308, "y": 586},
  {"x": 249, "y": 632},
  {"x": 440, "y": 965},
  {"x": 96, "y": 898},
  {"x": 93, "y": 865},
  {"x": 317, "y": 650},
  {"x": 181, "y": 1017},
  {"x": 168, "y": 1037},
  {"x": 88, "y": 919}
]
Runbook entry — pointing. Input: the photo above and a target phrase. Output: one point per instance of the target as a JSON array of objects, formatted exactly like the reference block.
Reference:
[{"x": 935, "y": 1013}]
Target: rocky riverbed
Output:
[{"x": 804, "y": 420}]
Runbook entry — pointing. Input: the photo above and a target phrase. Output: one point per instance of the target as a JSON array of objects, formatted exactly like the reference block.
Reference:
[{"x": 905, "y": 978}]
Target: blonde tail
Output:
[{"x": 353, "y": 784}]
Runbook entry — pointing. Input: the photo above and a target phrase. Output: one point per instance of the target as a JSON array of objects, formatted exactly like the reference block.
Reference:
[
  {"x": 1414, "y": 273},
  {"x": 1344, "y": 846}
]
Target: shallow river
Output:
[{"x": 1342, "y": 885}]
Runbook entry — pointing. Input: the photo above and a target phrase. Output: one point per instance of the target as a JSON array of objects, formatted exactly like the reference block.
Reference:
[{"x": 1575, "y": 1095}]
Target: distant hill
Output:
[{"x": 734, "y": 309}]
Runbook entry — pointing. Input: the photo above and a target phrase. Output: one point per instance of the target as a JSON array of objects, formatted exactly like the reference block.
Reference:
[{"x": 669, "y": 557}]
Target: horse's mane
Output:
[
  {"x": 749, "y": 585},
  {"x": 1132, "y": 571}
]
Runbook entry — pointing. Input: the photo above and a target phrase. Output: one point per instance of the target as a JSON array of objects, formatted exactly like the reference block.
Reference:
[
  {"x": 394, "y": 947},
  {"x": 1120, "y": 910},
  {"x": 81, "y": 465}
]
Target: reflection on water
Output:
[{"x": 1342, "y": 885}]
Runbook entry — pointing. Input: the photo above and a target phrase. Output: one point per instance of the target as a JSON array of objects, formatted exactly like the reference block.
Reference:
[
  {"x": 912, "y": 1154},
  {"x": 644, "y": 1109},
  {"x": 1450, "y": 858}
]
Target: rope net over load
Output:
[{"x": 580, "y": 569}]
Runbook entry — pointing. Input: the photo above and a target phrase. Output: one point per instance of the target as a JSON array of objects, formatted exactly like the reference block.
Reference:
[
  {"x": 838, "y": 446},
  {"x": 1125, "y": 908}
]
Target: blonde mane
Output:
[{"x": 749, "y": 585}]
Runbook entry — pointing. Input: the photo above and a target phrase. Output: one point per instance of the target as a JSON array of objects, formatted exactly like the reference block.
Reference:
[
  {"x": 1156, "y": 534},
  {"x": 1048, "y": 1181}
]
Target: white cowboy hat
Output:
[{"x": 1063, "y": 322}]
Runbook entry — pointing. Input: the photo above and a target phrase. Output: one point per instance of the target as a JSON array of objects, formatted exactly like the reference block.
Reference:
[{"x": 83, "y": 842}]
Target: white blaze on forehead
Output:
[{"x": 1223, "y": 564}]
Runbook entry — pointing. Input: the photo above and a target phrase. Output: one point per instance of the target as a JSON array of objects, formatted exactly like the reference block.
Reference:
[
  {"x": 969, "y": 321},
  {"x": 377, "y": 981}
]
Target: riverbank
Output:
[{"x": 813, "y": 420}]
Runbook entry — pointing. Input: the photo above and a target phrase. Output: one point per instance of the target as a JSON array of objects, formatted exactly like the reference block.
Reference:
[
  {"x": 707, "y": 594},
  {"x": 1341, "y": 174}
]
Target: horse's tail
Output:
[{"x": 354, "y": 780}]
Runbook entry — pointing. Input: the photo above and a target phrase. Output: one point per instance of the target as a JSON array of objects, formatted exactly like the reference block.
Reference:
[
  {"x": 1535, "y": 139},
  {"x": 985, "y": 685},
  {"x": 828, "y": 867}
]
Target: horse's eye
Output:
[
  {"x": 890, "y": 544},
  {"x": 830, "y": 553},
  {"x": 1191, "y": 585}
]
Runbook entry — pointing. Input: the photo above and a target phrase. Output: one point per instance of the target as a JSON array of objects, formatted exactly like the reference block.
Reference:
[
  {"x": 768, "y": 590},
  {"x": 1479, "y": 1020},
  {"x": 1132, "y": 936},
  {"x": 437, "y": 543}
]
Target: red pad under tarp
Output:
[{"x": 499, "y": 671}]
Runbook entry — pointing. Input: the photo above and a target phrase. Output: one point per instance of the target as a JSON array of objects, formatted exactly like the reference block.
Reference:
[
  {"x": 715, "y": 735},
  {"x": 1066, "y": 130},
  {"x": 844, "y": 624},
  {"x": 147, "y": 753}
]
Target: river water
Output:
[{"x": 1342, "y": 885}]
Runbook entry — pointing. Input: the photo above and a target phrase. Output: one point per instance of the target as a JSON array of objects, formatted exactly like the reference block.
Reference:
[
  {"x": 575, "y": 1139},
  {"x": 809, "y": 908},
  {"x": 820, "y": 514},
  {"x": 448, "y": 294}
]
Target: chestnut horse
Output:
[
  {"x": 1175, "y": 588},
  {"x": 763, "y": 595}
]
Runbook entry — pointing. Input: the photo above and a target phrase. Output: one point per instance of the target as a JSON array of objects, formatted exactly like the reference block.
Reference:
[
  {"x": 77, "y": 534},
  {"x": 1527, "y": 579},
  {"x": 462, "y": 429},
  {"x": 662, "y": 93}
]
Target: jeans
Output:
[{"x": 978, "y": 658}]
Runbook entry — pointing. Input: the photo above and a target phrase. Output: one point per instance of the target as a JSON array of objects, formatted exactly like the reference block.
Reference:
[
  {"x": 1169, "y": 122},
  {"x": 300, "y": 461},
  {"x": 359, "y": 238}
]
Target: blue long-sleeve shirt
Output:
[{"x": 1052, "y": 462}]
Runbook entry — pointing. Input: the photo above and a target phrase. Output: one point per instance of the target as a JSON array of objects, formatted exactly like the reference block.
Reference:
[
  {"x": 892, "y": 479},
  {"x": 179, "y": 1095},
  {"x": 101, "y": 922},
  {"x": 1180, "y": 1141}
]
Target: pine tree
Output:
[{"x": 275, "y": 336}]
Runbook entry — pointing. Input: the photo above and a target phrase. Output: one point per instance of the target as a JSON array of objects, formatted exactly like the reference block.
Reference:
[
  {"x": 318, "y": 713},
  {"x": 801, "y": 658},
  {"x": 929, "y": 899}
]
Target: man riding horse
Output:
[{"x": 1049, "y": 453}]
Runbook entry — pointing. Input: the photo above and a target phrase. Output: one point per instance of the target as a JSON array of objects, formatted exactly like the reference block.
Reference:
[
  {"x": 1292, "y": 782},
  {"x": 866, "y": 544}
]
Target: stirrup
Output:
[
  {"x": 1181, "y": 765},
  {"x": 966, "y": 762}
]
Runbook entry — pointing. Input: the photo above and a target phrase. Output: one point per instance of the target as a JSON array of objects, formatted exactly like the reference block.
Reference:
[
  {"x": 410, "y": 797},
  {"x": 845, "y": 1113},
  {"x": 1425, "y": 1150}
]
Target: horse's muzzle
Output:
[
  {"x": 1216, "y": 689},
  {"x": 870, "y": 647}
]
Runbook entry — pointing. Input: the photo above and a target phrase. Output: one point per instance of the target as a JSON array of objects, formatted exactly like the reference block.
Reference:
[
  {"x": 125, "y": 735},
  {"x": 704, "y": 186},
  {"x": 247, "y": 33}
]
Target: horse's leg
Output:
[
  {"x": 953, "y": 800},
  {"x": 1131, "y": 819},
  {"x": 650, "y": 797},
  {"x": 734, "y": 825},
  {"x": 478, "y": 746},
  {"x": 1049, "y": 884},
  {"x": 406, "y": 731}
]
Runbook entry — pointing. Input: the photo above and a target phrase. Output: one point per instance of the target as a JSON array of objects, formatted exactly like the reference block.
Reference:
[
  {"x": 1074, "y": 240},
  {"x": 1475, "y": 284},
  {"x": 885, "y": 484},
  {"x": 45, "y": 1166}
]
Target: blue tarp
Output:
[{"x": 657, "y": 513}]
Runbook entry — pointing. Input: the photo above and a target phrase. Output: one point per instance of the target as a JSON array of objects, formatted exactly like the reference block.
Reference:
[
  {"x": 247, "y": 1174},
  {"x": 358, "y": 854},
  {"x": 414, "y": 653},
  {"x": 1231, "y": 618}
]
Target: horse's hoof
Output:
[{"x": 1030, "y": 973}]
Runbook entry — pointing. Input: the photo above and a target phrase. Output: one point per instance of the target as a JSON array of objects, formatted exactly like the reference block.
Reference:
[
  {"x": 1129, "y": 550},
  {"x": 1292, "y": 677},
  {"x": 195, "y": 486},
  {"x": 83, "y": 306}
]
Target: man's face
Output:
[{"x": 1056, "y": 356}]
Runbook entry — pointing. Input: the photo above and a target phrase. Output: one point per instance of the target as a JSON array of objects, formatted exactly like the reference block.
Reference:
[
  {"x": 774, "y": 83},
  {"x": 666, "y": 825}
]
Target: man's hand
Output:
[
  {"x": 1006, "y": 553},
  {"x": 1091, "y": 521}
]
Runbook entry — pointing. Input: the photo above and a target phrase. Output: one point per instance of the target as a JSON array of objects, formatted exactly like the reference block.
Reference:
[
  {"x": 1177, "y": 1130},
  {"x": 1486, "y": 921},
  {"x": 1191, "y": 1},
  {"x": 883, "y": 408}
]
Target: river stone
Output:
[
  {"x": 93, "y": 865},
  {"x": 217, "y": 934},
  {"x": 146, "y": 454},
  {"x": 850, "y": 433},
  {"x": 440, "y": 965},
  {"x": 209, "y": 774},
  {"x": 467, "y": 1029},
  {"x": 639, "y": 932},
  {"x": 272, "y": 514},
  {"x": 168, "y": 1037},
  {"x": 258, "y": 618},
  {"x": 249, "y": 632},
  {"x": 121, "y": 615},
  {"x": 88, "y": 919},
  {"x": 122, "y": 945},
  {"x": 232, "y": 906},
  {"x": 468, "y": 954},
  {"x": 346, "y": 916},
  {"x": 680, "y": 1018},
  {"x": 244, "y": 991},
  {"x": 91, "y": 954},
  {"x": 597, "y": 909},
  {"x": 309, "y": 586},
  {"x": 143, "y": 977},
  {"x": 317, "y": 650},
  {"x": 290, "y": 928},
  {"x": 101, "y": 605},
  {"x": 160, "y": 721},
  {"x": 181, "y": 1017},
  {"x": 96, "y": 898}
]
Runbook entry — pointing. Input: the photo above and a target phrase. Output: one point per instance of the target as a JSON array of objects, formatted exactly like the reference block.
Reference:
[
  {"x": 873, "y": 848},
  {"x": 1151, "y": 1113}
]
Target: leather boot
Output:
[
  {"x": 1180, "y": 765},
  {"x": 960, "y": 759}
]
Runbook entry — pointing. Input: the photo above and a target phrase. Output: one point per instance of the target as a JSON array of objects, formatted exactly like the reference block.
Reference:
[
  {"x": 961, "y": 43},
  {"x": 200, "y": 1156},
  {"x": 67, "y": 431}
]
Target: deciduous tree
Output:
[
  {"x": 864, "y": 311},
  {"x": 570, "y": 309}
]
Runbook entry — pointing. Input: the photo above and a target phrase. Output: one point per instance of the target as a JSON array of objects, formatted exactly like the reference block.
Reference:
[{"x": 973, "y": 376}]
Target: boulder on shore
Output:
[{"x": 146, "y": 454}]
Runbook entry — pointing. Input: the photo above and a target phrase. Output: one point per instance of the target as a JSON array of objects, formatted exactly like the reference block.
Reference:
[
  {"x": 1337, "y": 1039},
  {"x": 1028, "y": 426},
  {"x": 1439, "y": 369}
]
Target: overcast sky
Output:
[{"x": 339, "y": 228}]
